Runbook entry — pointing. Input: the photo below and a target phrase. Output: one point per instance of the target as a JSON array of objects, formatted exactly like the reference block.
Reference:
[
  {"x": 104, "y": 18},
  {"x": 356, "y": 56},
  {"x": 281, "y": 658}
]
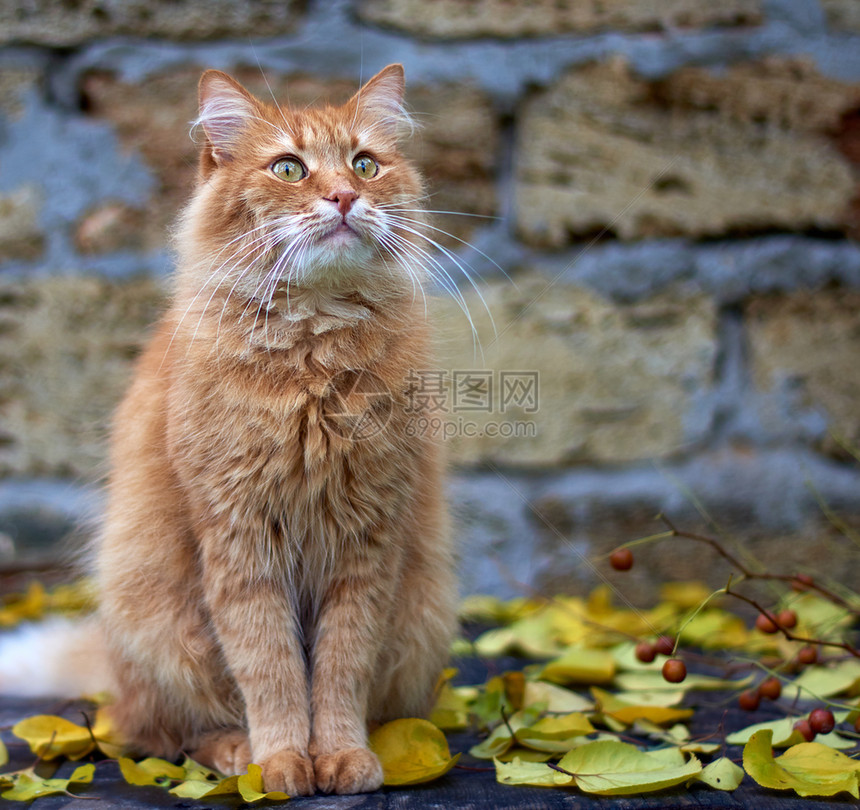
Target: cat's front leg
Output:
[
  {"x": 258, "y": 632},
  {"x": 348, "y": 636}
]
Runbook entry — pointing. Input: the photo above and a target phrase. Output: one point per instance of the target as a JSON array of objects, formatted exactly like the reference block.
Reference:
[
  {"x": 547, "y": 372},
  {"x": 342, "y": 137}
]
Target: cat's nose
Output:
[{"x": 343, "y": 200}]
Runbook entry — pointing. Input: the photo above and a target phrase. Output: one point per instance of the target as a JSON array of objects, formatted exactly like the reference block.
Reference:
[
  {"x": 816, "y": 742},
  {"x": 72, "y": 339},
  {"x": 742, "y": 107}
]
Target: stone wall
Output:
[{"x": 655, "y": 299}]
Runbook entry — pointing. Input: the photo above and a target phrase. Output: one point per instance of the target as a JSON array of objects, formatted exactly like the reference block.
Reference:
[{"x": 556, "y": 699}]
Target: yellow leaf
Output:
[
  {"x": 611, "y": 706},
  {"x": 251, "y": 786},
  {"x": 612, "y": 768},
  {"x": 451, "y": 712},
  {"x": 535, "y": 774},
  {"x": 50, "y": 737},
  {"x": 4, "y": 754},
  {"x": 685, "y": 595},
  {"x": 151, "y": 771},
  {"x": 810, "y": 769},
  {"x": 580, "y": 665},
  {"x": 411, "y": 751},
  {"x": 722, "y": 774},
  {"x": 108, "y": 739},
  {"x": 199, "y": 789},
  {"x": 555, "y": 733}
]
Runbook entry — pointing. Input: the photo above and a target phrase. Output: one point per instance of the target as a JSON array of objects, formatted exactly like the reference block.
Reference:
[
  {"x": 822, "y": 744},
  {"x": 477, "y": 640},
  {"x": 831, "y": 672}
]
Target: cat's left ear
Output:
[
  {"x": 226, "y": 108},
  {"x": 381, "y": 100}
]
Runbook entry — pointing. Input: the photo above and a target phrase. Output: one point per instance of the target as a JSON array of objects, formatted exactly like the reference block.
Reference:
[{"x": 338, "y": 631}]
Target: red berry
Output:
[
  {"x": 621, "y": 559},
  {"x": 766, "y": 622},
  {"x": 802, "y": 582},
  {"x": 749, "y": 700},
  {"x": 645, "y": 652},
  {"x": 805, "y": 729},
  {"x": 821, "y": 721},
  {"x": 770, "y": 688},
  {"x": 664, "y": 645},
  {"x": 674, "y": 670},
  {"x": 807, "y": 655},
  {"x": 787, "y": 619}
]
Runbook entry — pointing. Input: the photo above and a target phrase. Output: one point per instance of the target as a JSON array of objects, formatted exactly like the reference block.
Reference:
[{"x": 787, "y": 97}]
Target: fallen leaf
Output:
[
  {"x": 555, "y": 699},
  {"x": 628, "y": 713},
  {"x": 722, "y": 774},
  {"x": 151, "y": 771},
  {"x": 535, "y": 774},
  {"x": 50, "y": 737},
  {"x": 809, "y": 768},
  {"x": 614, "y": 768},
  {"x": 411, "y": 751},
  {"x": 580, "y": 665},
  {"x": 251, "y": 789},
  {"x": 28, "y": 786},
  {"x": 825, "y": 682},
  {"x": 555, "y": 733}
]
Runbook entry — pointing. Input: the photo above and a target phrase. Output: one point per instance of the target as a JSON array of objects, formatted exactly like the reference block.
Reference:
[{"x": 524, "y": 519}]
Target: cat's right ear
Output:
[{"x": 225, "y": 110}]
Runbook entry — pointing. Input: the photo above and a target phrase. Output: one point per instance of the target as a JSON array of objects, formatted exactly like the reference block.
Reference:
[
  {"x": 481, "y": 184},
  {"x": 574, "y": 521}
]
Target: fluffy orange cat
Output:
[{"x": 275, "y": 566}]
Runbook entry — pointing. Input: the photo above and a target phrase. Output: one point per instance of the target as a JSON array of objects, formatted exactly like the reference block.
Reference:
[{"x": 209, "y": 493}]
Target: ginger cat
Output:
[{"x": 274, "y": 575}]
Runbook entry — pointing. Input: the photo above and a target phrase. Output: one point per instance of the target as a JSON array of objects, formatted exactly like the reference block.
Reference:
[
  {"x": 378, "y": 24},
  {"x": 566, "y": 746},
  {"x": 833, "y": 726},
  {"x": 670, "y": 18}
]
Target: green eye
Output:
[
  {"x": 289, "y": 169},
  {"x": 365, "y": 167}
]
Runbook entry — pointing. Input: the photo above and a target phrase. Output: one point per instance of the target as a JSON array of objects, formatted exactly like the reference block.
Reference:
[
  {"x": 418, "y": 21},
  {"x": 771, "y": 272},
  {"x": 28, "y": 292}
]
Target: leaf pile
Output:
[{"x": 567, "y": 722}]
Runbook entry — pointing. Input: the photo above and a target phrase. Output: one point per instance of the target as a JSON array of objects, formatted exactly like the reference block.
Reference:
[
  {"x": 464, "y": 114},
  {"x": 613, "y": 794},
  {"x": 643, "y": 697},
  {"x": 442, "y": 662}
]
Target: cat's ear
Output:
[
  {"x": 381, "y": 100},
  {"x": 225, "y": 110}
]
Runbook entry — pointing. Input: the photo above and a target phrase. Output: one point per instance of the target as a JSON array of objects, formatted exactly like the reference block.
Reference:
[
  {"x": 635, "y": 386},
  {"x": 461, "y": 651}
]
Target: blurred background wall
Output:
[{"x": 665, "y": 282}]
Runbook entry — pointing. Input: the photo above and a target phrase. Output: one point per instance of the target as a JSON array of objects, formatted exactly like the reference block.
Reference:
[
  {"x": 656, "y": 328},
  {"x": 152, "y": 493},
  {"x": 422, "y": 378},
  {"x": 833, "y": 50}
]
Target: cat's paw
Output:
[
  {"x": 226, "y": 750},
  {"x": 290, "y": 772},
  {"x": 352, "y": 770}
]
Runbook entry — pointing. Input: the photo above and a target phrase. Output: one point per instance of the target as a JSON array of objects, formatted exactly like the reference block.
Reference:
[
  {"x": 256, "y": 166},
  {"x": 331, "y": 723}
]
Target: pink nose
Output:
[{"x": 343, "y": 200}]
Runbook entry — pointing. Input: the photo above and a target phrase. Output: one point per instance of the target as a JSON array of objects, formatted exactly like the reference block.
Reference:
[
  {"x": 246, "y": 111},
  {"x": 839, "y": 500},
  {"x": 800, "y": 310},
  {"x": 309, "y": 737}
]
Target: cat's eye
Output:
[
  {"x": 365, "y": 167},
  {"x": 289, "y": 169}
]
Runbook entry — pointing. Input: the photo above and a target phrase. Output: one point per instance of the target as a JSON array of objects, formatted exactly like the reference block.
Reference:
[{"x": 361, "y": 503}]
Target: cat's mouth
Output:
[{"x": 341, "y": 231}]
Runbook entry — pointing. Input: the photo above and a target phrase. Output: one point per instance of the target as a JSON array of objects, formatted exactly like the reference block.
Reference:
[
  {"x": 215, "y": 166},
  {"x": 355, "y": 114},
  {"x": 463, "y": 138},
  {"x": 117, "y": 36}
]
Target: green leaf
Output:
[
  {"x": 722, "y": 774},
  {"x": 809, "y": 768},
  {"x": 535, "y": 774},
  {"x": 556, "y": 699},
  {"x": 611, "y": 768},
  {"x": 411, "y": 751},
  {"x": 28, "y": 786},
  {"x": 784, "y": 734},
  {"x": 198, "y": 789},
  {"x": 825, "y": 682}
]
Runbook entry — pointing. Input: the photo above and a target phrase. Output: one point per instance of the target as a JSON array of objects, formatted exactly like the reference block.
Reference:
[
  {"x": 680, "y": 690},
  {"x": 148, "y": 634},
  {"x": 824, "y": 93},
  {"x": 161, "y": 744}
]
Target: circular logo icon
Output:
[{"x": 359, "y": 405}]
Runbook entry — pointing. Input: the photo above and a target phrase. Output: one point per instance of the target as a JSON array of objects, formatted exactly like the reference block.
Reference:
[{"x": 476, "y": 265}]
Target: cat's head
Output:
[{"x": 318, "y": 196}]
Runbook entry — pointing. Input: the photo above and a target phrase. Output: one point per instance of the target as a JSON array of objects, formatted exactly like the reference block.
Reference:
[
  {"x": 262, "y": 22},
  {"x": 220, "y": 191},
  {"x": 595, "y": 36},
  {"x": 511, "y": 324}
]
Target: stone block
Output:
[
  {"x": 842, "y": 15},
  {"x": 615, "y": 383},
  {"x": 466, "y": 19},
  {"x": 66, "y": 349},
  {"x": 697, "y": 154},
  {"x": 806, "y": 349},
  {"x": 456, "y": 145},
  {"x": 59, "y": 23},
  {"x": 14, "y": 83},
  {"x": 21, "y": 235}
]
